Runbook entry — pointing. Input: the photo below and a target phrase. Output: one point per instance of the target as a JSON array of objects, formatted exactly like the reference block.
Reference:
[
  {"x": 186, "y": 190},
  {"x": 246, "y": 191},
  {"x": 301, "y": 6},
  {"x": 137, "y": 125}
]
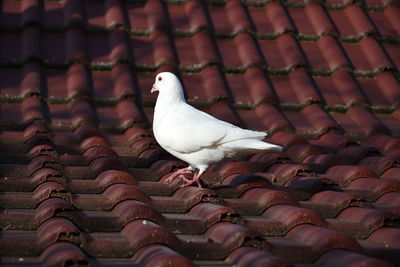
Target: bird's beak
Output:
[{"x": 154, "y": 88}]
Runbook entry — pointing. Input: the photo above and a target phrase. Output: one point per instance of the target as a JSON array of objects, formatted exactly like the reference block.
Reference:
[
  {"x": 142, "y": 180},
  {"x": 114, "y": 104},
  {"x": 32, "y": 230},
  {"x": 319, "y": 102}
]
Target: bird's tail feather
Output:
[{"x": 252, "y": 145}]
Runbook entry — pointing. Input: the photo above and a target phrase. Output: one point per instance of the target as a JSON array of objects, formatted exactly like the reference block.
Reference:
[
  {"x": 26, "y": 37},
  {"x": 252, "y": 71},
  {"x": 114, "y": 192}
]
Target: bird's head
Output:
[{"x": 168, "y": 85}]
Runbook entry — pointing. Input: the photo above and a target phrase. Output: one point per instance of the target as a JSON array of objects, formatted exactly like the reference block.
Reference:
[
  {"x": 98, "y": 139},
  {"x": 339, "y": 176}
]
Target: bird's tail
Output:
[{"x": 252, "y": 146}]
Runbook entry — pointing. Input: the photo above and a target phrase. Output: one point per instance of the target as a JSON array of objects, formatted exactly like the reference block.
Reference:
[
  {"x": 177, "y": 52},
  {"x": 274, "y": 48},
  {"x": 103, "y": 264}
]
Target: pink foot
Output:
[
  {"x": 178, "y": 173},
  {"x": 196, "y": 179}
]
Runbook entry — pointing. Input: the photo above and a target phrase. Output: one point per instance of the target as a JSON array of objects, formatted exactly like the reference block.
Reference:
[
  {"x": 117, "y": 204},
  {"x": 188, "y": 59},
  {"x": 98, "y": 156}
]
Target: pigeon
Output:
[{"x": 194, "y": 136}]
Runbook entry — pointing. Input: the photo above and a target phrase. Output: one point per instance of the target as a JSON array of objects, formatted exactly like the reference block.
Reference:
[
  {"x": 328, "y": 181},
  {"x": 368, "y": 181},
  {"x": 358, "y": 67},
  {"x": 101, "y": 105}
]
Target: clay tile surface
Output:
[{"x": 82, "y": 179}]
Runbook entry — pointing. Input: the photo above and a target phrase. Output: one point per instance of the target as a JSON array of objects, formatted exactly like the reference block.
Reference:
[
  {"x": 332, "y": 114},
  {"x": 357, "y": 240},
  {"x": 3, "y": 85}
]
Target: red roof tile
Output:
[{"x": 82, "y": 178}]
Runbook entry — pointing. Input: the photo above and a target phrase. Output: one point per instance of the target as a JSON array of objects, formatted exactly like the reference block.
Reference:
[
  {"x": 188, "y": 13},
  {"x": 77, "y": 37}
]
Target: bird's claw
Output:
[
  {"x": 170, "y": 178},
  {"x": 179, "y": 173},
  {"x": 190, "y": 182}
]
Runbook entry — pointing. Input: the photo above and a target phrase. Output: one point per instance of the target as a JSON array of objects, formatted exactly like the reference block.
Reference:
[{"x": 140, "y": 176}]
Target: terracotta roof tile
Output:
[
  {"x": 362, "y": 222},
  {"x": 247, "y": 255},
  {"x": 276, "y": 22},
  {"x": 283, "y": 47},
  {"x": 362, "y": 58},
  {"x": 341, "y": 256},
  {"x": 353, "y": 21},
  {"x": 208, "y": 86},
  {"x": 312, "y": 20},
  {"x": 82, "y": 177}
]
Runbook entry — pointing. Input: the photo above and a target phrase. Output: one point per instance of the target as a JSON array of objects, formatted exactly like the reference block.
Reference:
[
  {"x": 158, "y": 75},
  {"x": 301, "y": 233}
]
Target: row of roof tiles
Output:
[
  {"x": 219, "y": 238},
  {"x": 323, "y": 56},
  {"x": 64, "y": 253},
  {"x": 269, "y": 17},
  {"x": 312, "y": 121},
  {"x": 114, "y": 202},
  {"x": 297, "y": 88}
]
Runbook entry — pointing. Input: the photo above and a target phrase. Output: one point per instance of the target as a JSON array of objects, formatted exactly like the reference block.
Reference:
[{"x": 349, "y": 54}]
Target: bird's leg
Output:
[
  {"x": 195, "y": 179},
  {"x": 179, "y": 173}
]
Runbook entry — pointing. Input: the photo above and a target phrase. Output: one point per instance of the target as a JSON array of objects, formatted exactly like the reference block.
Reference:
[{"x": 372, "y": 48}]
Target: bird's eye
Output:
[{"x": 159, "y": 78}]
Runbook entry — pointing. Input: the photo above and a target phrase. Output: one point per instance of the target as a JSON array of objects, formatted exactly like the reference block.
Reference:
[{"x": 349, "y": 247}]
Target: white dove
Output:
[{"x": 194, "y": 136}]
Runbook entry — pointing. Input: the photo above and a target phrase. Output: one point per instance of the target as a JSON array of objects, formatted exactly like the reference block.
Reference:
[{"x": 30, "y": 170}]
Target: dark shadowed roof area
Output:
[{"x": 82, "y": 177}]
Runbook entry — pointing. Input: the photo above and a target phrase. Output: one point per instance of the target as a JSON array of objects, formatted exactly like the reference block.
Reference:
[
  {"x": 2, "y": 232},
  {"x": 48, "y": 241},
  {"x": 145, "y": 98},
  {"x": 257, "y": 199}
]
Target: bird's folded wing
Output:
[{"x": 188, "y": 130}]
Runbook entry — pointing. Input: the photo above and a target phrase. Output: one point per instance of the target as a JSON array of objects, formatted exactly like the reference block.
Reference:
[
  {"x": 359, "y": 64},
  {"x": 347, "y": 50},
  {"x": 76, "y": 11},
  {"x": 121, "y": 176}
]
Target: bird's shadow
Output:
[{"x": 240, "y": 181}]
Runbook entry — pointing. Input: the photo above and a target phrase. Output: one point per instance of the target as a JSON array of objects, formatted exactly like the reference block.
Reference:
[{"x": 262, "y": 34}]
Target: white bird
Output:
[{"x": 194, "y": 136}]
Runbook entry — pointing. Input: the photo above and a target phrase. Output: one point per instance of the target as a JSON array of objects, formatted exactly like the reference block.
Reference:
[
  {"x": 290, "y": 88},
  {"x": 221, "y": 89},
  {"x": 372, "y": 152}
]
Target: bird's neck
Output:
[{"x": 167, "y": 101}]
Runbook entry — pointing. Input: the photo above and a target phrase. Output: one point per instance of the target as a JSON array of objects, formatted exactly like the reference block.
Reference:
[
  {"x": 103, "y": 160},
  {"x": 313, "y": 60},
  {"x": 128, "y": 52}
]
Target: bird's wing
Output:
[{"x": 186, "y": 130}]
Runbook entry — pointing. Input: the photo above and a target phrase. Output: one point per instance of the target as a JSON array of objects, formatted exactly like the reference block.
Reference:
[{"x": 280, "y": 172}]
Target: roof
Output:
[{"x": 82, "y": 177}]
